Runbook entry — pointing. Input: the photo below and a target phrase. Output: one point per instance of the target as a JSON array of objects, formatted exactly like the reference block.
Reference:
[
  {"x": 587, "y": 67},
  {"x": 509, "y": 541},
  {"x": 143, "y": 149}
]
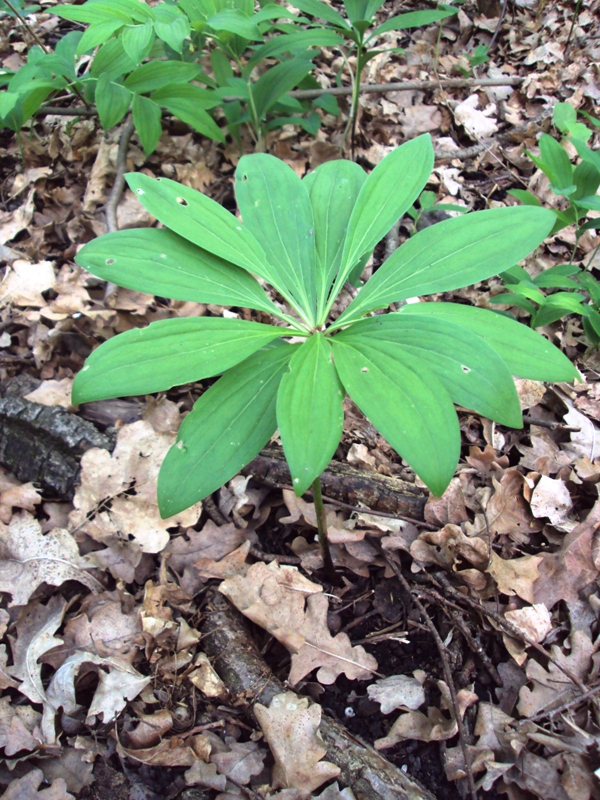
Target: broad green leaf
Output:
[
  {"x": 316, "y": 8},
  {"x": 146, "y": 118},
  {"x": 512, "y": 299},
  {"x": 557, "y": 306},
  {"x": 413, "y": 19},
  {"x": 527, "y": 198},
  {"x": 277, "y": 81},
  {"x": 591, "y": 156},
  {"x": 456, "y": 252},
  {"x": 111, "y": 59},
  {"x": 97, "y": 34},
  {"x": 221, "y": 67},
  {"x": 8, "y": 100},
  {"x": 276, "y": 209},
  {"x": 187, "y": 102},
  {"x": 590, "y": 283},
  {"x": 556, "y": 164},
  {"x": 587, "y": 180},
  {"x": 229, "y": 425},
  {"x": 411, "y": 409},
  {"x": 388, "y": 192},
  {"x": 356, "y": 10},
  {"x": 310, "y": 414},
  {"x": 526, "y": 353},
  {"x": 168, "y": 353},
  {"x": 471, "y": 371},
  {"x": 159, "y": 262},
  {"x": 333, "y": 188},
  {"x": 563, "y": 116},
  {"x": 291, "y": 42},
  {"x": 200, "y": 220},
  {"x": 91, "y": 13},
  {"x": 234, "y": 21},
  {"x": 174, "y": 31},
  {"x": 136, "y": 40},
  {"x": 310, "y": 124},
  {"x": 591, "y": 203},
  {"x": 156, "y": 74},
  {"x": 112, "y": 101}
]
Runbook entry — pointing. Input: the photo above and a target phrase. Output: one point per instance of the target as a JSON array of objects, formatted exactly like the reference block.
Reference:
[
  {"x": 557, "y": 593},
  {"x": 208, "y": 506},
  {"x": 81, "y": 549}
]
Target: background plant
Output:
[{"x": 304, "y": 237}]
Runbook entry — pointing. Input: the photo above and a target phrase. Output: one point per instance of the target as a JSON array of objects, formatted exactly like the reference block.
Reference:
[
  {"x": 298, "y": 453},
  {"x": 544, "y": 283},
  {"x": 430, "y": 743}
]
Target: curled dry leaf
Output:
[
  {"x": 241, "y": 762},
  {"x": 478, "y": 124},
  {"x": 434, "y": 727},
  {"x": 551, "y": 499},
  {"x": 29, "y": 558},
  {"x": 445, "y": 546},
  {"x": 534, "y": 621},
  {"x": 173, "y": 752},
  {"x": 103, "y": 628},
  {"x": 291, "y": 727},
  {"x": 26, "y": 788},
  {"x": 206, "y": 679},
  {"x": 151, "y": 729},
  {"x": 515, "y": 575},
  {"x": 205, "y": 775},
  {"x": 508, "y": 512},
  {"x": 398, "y": 691},
  {"x": 24, "y": 283},
  {"x": 19, "y": 727}
]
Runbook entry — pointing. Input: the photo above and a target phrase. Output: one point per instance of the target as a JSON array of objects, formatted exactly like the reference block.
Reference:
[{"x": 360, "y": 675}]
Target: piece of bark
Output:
[
  {"x": 238, "y": 662},
  {"x": 346, "y": 484},
  {"x": 44, "y": 444}
]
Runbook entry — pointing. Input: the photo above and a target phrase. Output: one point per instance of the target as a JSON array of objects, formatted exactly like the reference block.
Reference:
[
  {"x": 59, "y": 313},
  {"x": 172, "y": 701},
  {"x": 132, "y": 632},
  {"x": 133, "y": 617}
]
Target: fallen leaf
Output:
[
  {"x": 552, "y": 499},
  {"x": 478, "y": 124},
  {"x": 19, "y": 728},
  {"x": 205, "y": 679},
  {"x": 104, "y": 629},
  {"x": 52, "y": 393},
  {"x": 29, "y": 558},
  {"x": 173, "y": 752},
  {"x": 291, "y": 727},
  {"x": 534, "y": 621},
  {"x": 151, "y": 729},
  {"x": 241, "y": 761},
  {"x": 24, "y": 283},
  {"x": 398, "y": 691},
  {"x": 26, "y": 788},
  {"x": 508, "y": 512},
  {"x": 515, "y": 575}
]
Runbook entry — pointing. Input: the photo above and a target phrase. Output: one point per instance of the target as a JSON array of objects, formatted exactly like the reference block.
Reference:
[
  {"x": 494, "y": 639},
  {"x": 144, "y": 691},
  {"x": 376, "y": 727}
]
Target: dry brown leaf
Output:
[
  {"x": 29, "y": 558},
  {"x": 398, "y": 691},
  {"x": 226, "y": 567},
  {"x": 530, "y": 392},
  {"x": 508, "y": 512},
  {"x": 13, "y": 222},
  {"x": 552, "y": 499},
  {"x": 332, "y": 655},
  {"x": 26, "y": 788},
  {"x": 24, "y": 283},
  {"x": 574, "y": 566},
  {"x": 241, "y": 762},
  {"x": 291, "y": 727},
  {"x": 104, "y": 629},
  {"x": 434, "y": 727},
  {"x": 534, "y": 621},
  {"x": 19, "y": 728},
  {"x": 449, "y": 508},
  {"x": 445, "y": 546},
  {"x": 205, "y": 775},
  {"x": 52, "y": 393},
  {"x": 206, "y": 679},
  {"x": 515, "y": 575},
  {"x": 72, "y": 766},
  {"x": 151, "y": 729},
  {"x": 35, "y": 636},
  {"x": 173, "y": 752}
]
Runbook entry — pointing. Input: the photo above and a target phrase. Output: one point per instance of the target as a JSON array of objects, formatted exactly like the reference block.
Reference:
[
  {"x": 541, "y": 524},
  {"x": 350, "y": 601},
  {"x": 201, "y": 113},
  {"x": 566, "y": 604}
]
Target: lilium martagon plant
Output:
[{"x": 306, "y": 238}]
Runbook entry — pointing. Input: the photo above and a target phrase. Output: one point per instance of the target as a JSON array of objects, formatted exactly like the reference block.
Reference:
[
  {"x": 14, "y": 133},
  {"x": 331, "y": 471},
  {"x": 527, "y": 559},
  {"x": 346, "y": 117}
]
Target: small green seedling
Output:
[{"x": 404, "y": 370}]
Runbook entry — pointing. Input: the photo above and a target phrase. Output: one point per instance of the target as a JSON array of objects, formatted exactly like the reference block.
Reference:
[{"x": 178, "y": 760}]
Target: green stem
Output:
[
  {"x": 332, "y": 575},
  {"x": 355, "y": 95}
]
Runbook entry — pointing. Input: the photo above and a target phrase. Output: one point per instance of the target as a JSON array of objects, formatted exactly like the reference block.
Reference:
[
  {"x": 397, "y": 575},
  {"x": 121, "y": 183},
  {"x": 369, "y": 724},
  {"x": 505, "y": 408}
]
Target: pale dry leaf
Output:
[
  {"x": 433, "y": 727},
  {"x": 52, "y": 393},
  {"x": 515, "y": 575},
  {"x": 534, "y": 621},
  {"x": 26, "y": 788},
  {"x": 446, "y": 546},
  {"x": 291, "y": 727},
  {"x": 333, "y": 792},
  {"x": 151, "y": 728},
  {"x": 574, "y": 566},
  {"x": 227, "y": 567},
  {"x": 332, "y": 655},
  {"x": 478, "y": 124},
  {"x": 105, "y": 630},
  {"x": 205, "y": 775},
  {"x": 300, "y": 509},
  {"x": 552, "y": 685},
  {"x": 24, "y": 283},
  {"x": 530, "y": 392},
  {"x": 241, "y": 762},
  {"x": 173, "y": 752},
  {"x": 508, "y": 512},
  {"x": 398, "y": 691},
  {"x": 72, "y": 767},
  {"x": 13, "y": 222},
  {"x": 540, "y": 776},
  {"x": 586, "y": 440},
  {"x": 449, "y": 508},
  {"x": 552, "y": 499},
  {"x": 29, "y": 558},
  {"x": 102, "y": 168},
  {"x": 6, "y": 682},
  {"x": 419, "y": 119},
  {"x": 19, "y": 728},
  {"x": 359, "y": 456},
  {"x": 206, "y": 679}
]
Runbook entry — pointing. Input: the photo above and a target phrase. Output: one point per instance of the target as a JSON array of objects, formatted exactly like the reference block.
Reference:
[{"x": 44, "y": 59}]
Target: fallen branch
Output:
[
  {"x": 110, "y": 209},
  {"x": 237, "y": 660}
]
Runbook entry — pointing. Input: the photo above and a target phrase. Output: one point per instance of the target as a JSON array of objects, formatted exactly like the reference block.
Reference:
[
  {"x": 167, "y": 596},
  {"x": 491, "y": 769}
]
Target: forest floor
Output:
[{"x": 113, "y": 685}]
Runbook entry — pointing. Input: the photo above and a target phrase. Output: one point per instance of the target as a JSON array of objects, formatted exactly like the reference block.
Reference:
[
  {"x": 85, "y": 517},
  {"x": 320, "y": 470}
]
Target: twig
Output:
[
  {"x": 214, "y": 512},
  {"x": 447, "y": 675},
  {"x": 110, "y": 209},
  {"x": 498, "y": 26},
  {"x": 552, "y": 426},
  {"x": 27, "y": 26},
  {"x": 373, "y": 513},
  {"x": 441, "y": 580},
  {"x": 293, "y": 561},
  {"x": 564, "y": 707}
]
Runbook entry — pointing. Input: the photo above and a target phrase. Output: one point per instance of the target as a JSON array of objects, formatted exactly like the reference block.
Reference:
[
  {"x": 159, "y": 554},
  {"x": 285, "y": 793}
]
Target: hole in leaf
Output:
[
  {"x": 109, "y": 261},
  {"x": 465, "y": 369},
  {"x": 365, "y": 369},
  {"x": 182, "y": 201},
  {"x": 244, "y": 177},
  {"x": 139, "y": 191}
]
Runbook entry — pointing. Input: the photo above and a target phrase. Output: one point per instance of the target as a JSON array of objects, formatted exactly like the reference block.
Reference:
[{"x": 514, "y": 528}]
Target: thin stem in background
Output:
[
  {"x": 570, "y": 36},
  {"x": 321, "y": 515}
]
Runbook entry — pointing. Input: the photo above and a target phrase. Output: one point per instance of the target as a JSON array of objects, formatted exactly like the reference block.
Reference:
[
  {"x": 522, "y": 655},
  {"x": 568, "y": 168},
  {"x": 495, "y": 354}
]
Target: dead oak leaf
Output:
[
  {"x": 19, "y": 727},
  {"x": 241, "y": 762},
  {"x": 399, "y": 691},
  {"x": 515, "y": 575},
  {"x": 29, "y": 558},
  {"x": 173, "y": 752},
  {"x": 332, "y": 655},
  {"x": 24, "y": 283},
  {"x": 291, "y": 727},
  {"x": 507, "y": 512},
  {"x": 26, "y": 788}
]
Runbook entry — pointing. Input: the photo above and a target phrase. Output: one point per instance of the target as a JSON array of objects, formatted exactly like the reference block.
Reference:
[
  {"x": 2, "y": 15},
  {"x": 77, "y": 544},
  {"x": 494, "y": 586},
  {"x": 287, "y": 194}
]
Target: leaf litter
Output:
[{"x": 99, "y": 661}]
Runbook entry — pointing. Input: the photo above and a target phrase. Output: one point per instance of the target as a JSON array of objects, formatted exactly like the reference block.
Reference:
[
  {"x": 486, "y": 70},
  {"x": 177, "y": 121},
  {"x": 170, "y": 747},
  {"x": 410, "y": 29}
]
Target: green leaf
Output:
[
  {"x": 91, "y": 13},
  {"x": 168, "y": 353},
  {"x": 592, "y": 156},
  {"x": 187, "y": 102},
  {"x": 527, "y": 198},
  {"x": 456, "y": 252},
  {"x": 411, "y": 409},
  {"x": 200, "y": 220},
  {"x": 111, "y": 59},
  {"x": 234, "y": 21},
  {"x": 275, "y": 206},
  {"x": 277, "y": 81},
  {"x": 158, "y": 262},
  {"x": 173, "y": 30},
  {"x": 471, "y": 371},
  {"x": 512, "y": 299},
  {"x": 291, "y": 42},
  {"x": 526, "y": 353},
  {"x": 146, "y": 118},
  {"x": 557, "y": 306},
  {"x": 414, "y": 19},
  {"x": 229, "y": 425},
  {"x": 322, "y": 11},
  {"x": 97, "y": 34},
  {"x": 310, "y": 415},
  {"x": 556, "y": 164},
  {"x": 156, "y": 74},
  {"x": 563, "y": 116},
  {"x": 136, "y": 40},
  {"x": 590, "y": 283},
  {"x": 112, "y": 101},
  {"x": 333, "y": 189},
  {"x": 591, "y": 203},
  {"x": 8, "y": 100},
  {"x": 388, "y": 192}
]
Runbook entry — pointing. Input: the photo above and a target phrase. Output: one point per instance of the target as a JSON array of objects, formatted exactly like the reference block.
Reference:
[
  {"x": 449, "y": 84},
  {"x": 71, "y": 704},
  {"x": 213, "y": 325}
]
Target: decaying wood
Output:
[
  {"x": 44, "y": 444},
  {"x": 237, "y": 660},
  {"x": 343, "y": 482}
]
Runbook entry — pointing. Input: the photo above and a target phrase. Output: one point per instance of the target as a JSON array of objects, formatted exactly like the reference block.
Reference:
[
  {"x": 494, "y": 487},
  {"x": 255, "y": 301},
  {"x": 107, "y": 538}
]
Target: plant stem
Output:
[{"x": 332, "y": 575}]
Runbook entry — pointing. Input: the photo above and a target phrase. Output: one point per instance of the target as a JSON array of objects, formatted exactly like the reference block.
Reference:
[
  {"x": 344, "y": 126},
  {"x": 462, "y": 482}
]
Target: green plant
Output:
[
  {"x": 480, "y": 56},
  {"x": 304, "y": 237},
  {"x": 355, "y": 29},
  {"x": 145, "y": 59}
]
